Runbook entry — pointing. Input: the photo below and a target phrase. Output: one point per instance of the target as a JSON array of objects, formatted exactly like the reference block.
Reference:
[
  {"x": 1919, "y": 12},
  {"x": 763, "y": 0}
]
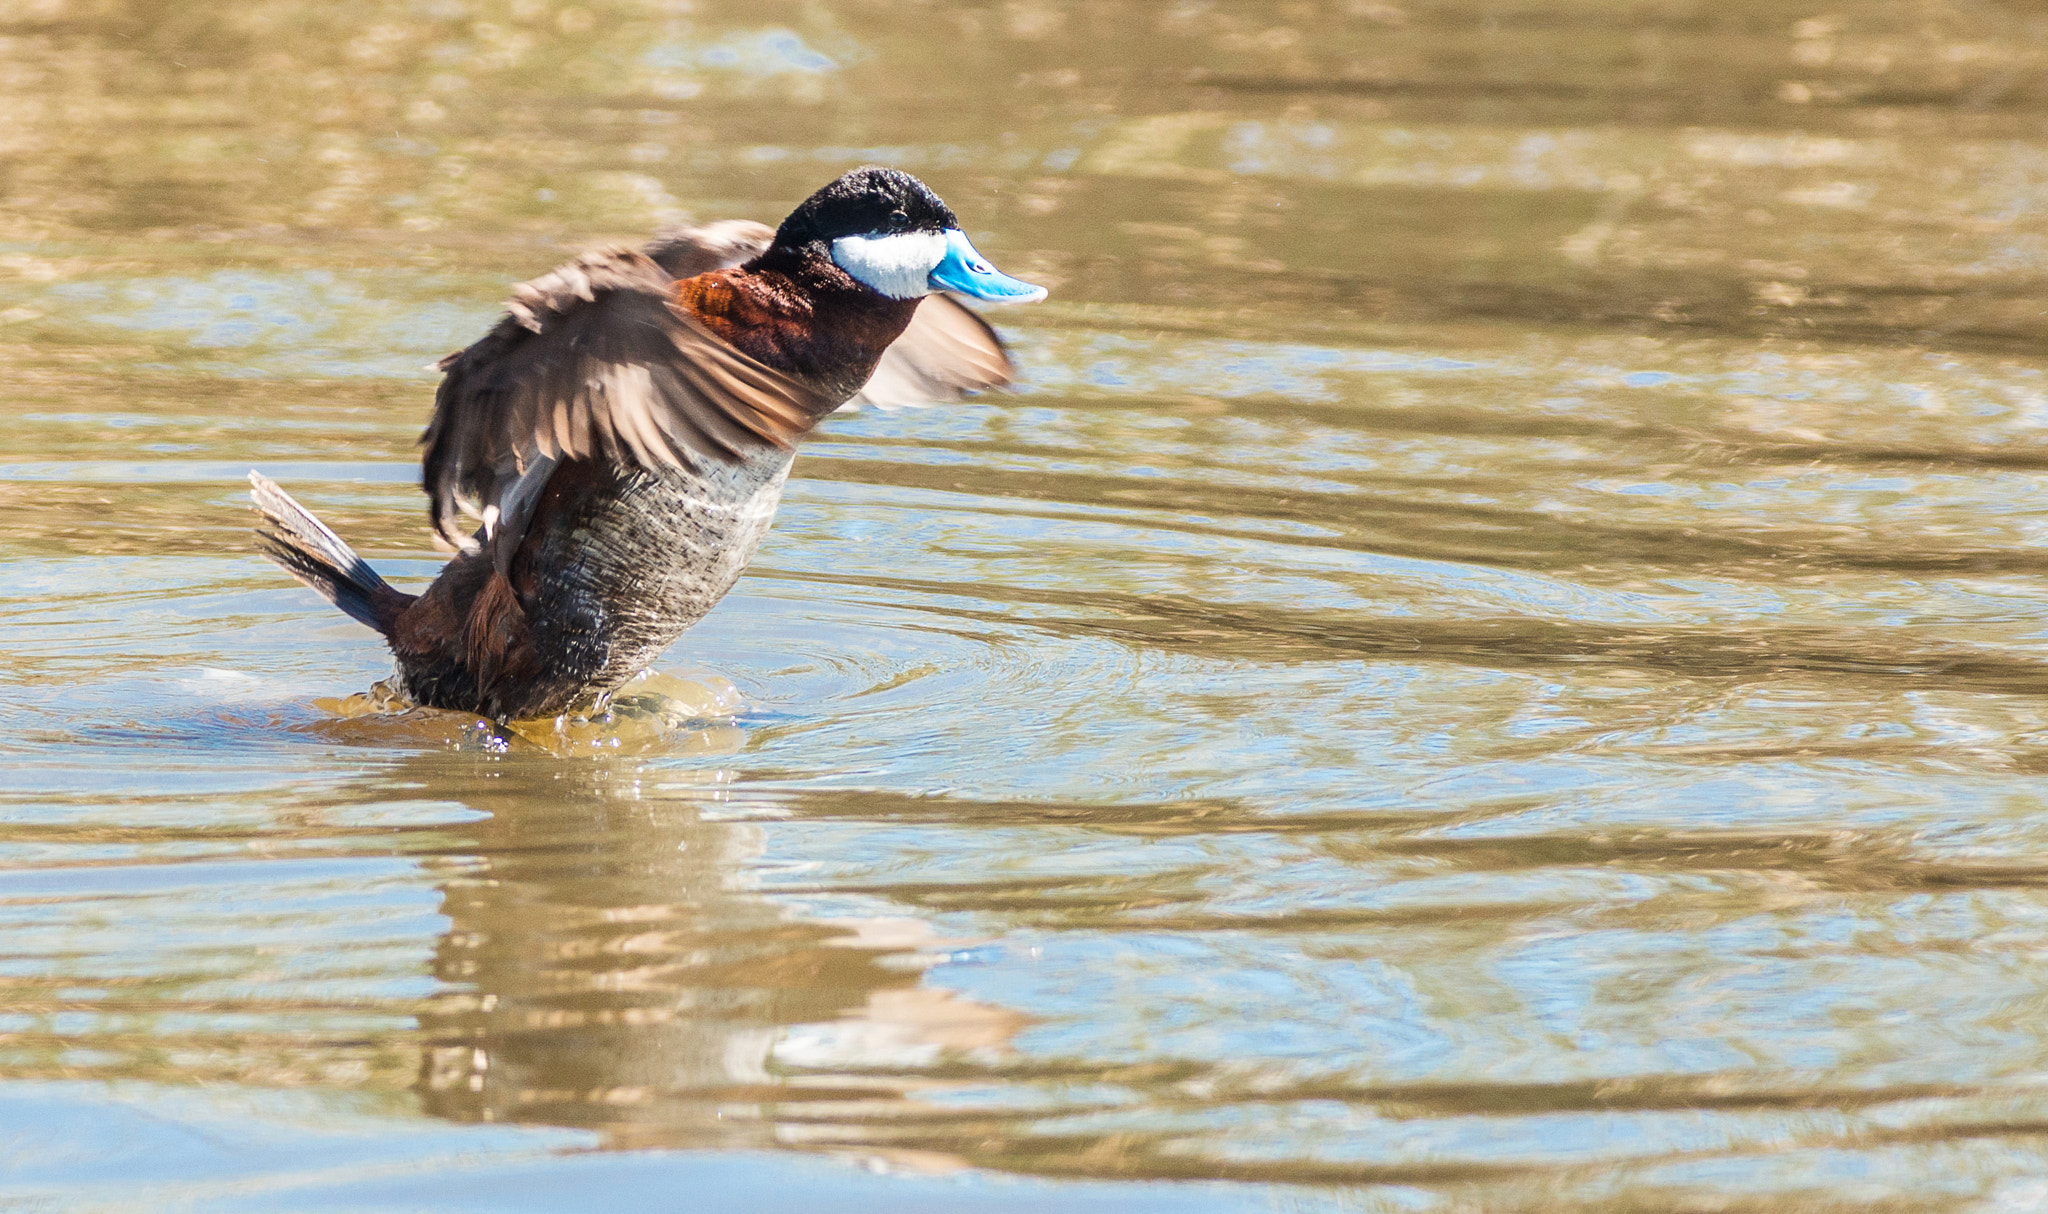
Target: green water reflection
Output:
[{"x": 1495, "y": 661}]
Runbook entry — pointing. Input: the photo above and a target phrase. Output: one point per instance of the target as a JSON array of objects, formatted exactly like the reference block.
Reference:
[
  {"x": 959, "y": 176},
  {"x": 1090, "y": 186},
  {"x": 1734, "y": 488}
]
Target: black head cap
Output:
[{"x": 866, "y": 201}]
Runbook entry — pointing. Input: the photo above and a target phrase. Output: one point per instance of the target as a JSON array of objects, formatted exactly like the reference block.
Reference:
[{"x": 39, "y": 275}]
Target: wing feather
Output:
[
  {"x": 592, "y": 358},
  {"x": 947, "y": 352}
]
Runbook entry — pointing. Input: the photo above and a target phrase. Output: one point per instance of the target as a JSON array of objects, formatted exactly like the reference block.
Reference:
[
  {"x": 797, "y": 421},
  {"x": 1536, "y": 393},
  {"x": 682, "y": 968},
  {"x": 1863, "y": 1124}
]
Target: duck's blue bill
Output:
[{"x": 966, "y": 272}]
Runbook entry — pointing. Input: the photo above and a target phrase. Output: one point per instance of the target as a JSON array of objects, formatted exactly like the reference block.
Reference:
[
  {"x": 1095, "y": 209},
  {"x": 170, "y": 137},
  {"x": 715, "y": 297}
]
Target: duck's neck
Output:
[{"x": 797, "y": 311}]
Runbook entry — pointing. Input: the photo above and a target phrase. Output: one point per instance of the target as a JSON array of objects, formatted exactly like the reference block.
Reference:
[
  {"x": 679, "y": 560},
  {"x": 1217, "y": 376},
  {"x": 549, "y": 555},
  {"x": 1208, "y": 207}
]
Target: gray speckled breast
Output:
[{"x": 631, "y": 564}]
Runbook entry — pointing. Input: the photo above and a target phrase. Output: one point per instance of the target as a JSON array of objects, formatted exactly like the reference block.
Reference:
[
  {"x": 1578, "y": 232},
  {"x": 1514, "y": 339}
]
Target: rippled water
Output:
[{"x": 1496, "y": 662}]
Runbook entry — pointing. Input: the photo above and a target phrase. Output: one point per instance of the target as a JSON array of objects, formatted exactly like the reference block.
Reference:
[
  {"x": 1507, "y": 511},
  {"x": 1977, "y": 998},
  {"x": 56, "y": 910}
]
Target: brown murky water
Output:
[{"x": 1499, "y": 661}]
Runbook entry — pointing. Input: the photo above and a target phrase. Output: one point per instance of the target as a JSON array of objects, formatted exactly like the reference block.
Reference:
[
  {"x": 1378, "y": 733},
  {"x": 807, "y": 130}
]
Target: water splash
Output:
[{"x": 653, "y": 713}]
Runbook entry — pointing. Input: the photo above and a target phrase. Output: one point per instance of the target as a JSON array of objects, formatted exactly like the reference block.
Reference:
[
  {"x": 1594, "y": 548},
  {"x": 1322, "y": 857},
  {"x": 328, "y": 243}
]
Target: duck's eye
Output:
[{"x": 898, "y": 219}]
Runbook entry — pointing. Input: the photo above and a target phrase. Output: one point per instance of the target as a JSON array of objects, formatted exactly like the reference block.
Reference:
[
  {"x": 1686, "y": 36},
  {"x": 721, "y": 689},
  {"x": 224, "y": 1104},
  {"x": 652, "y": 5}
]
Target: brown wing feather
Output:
[
  {"x": 594, "y": 357},
  {"x": 686, "y": 252},
  {"x": 947, "y": 352}
]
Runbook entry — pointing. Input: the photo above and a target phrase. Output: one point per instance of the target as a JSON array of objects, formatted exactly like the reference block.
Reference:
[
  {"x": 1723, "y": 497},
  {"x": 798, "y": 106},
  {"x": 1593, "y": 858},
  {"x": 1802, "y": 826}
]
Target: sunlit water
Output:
[{"x": 1498, "y": 660}]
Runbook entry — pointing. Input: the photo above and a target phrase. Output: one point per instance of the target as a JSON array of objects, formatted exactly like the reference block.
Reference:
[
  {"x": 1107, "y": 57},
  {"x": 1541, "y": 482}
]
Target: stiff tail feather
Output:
[{"x": 291, "y": 536}]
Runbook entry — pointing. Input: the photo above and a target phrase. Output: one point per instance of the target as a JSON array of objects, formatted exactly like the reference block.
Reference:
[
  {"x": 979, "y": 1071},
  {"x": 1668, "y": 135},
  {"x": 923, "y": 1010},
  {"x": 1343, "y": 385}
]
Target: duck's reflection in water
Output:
[{"x": 608, "y": 968}]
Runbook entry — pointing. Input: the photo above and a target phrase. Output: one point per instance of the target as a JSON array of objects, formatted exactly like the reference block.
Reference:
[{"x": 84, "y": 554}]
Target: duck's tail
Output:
[{"x": 291, "y": 536}]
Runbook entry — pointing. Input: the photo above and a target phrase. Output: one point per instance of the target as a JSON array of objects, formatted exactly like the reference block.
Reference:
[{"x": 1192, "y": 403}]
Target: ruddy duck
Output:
[{"x": 625, "y": 432}]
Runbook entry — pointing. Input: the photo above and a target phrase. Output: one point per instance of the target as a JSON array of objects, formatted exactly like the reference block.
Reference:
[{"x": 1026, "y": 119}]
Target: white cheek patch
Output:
[{"x": 898, "y": 265}]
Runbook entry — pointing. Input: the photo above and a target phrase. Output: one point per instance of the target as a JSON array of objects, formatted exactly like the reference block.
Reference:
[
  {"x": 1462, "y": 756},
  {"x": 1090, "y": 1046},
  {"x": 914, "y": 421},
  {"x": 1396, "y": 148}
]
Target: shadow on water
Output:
[{"x": 609, "y": 969}]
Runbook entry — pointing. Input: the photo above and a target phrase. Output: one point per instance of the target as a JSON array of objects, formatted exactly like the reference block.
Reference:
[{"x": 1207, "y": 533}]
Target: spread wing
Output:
[
  {"x": 947, "y": 352},
  {"x": 688, "y": 251},
  {"x": 594, "y": 359}
]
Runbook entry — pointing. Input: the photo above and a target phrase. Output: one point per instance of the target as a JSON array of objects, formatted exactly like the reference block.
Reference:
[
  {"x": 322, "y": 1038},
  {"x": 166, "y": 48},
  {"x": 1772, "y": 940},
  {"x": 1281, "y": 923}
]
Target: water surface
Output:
[{"x": 1495, "y": 662}]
